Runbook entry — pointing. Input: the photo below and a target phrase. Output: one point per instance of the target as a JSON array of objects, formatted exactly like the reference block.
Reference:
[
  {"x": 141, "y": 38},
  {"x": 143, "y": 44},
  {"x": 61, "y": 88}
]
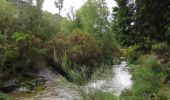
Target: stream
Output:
[{"x": 62, "y": 90}]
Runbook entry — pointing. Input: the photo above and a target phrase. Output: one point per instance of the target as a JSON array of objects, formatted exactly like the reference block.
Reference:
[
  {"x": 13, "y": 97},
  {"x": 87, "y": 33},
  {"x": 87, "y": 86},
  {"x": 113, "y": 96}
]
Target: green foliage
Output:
[
  {"x": 4, "y": 96},
  {"x": 8, "y": 17},
  {"x": 160, "y": 48},
  {"x": 131, "y": 53},
  {"x": 92, "y": 17},
  {"x": 76, "y": 74},
  {"x": 66, "y": 26},
  {"x": 80, "y": 48},
  {"x": 85, "y": 48},
  {"x": 83, "y": 52},
  {"x": 98, "y": 95},
  {"x": 147, "y": 79},
  {"x": 50, "y": 25},
  {"x": 136, "y": 22},
  {"x": 19, "y": 16},
  {"x": 149, "y": 22},
  {"x": 110, "y": 48},
  {"x": 122, "y": 24},
  {"x": 19, "y": 55},
  {"x": 163, "y": 93}
]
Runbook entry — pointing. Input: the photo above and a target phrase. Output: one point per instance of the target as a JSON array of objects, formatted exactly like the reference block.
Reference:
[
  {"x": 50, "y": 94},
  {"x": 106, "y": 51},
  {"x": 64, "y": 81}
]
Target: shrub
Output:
[
  {"x": 132, "y": 54},
  {"x": 160, "y": 48},
  {"x": 110, "y": 48},
  {"x": 19, "y": 55},
  {"x": 162, "y": 51},
  {"x": 83, "y": 52},
  {"x": 80, "y": 47},
  {"x": 84, "y": 49},
  {"x": 76, "y": 75},
  {"x": 147, "y": 79}
]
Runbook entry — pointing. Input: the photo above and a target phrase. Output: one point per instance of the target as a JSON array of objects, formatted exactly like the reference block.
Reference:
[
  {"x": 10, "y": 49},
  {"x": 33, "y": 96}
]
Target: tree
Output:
[
  {"x": 50, "y": 25},
  {"x": 59, "y": 5},
  {"x": 151, "y": 18},
  {"x": 123, "y": 24},
  {"x": 86, "y": 16},
  {"x": 138, "y": 22},
  {"x": 66, "y": 25},
  {"x": 93, "y": 17},
  {"x": 102, "y": 23}
]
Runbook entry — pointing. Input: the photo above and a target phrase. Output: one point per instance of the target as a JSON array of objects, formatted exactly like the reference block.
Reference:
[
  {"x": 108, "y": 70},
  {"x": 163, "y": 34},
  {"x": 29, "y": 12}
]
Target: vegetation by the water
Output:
[
  {"x": 98, "y": 95},
  {"x": 4, "y": 96},
  {"x": 87, "y": 40}
]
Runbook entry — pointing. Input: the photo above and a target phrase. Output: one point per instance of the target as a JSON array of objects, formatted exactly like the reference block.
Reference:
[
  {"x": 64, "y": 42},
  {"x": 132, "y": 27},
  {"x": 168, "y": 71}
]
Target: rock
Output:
[
  {"x": 10, "y": 83},
  {"x": 46, "y": 75},
  {"x": 8, "y": 86},
  {"x": 23, "y": 89}
]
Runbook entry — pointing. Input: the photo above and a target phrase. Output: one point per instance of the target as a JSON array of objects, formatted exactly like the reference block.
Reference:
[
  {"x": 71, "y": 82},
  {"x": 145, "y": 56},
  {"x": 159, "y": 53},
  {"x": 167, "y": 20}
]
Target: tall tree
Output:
[
  {"x": 59, "y": 5},
  {"x": 141, "y": 21},
  {"x": 151, "y": 18},
  {"x": 93, "y": 16},
  {"x": 103, "y": 14},
  {"x": 123, "y": 24}
]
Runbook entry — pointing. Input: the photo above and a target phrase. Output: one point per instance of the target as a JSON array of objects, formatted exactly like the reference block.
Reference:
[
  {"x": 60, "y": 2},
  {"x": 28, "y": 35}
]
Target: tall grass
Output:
[
  {"x": 4, "y": 96},
  {"x": 76, "y": 75},
  {"x": 98, "y": 95},
  {"x": 80, "y": 77},
  {"x": 81, "y": 74},
  {"x": 147, "y": 78}
]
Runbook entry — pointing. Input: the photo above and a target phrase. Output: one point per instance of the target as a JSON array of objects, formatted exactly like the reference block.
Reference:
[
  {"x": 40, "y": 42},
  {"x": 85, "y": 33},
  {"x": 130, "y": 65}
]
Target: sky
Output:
[{"x": 76, "y": 4}]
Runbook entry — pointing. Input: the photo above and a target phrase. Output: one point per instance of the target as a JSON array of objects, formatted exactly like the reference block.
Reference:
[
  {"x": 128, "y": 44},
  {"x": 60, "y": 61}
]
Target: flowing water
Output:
[
  {"x": 58, "y": 90},
  {"x": 120, "y": 80}
]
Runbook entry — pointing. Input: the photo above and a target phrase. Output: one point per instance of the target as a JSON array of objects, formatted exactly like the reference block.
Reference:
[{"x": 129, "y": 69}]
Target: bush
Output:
[
  {"x": 81, "y": 48},
  {"x": 147, "y": 79},
  {"x": 82, "y": 51},
  {"x": 132, "y": 54},
  {"x": 162, "y": 51},
  {"x": 110, "y": 48},
  {"x": 19, "y": 55},
  {"x": 160, "y": 48},
  {"x": 85, "y": 49},
  {"x": 99, "y": 95}
]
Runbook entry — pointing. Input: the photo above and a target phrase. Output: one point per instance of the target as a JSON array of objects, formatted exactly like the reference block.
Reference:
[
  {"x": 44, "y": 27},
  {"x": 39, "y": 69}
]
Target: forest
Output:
[{"x": 89, "y": 40}]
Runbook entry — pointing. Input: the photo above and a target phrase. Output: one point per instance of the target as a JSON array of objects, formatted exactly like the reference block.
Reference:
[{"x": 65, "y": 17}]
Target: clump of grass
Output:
[
  {"x": 103, "y": 72},
  {"x": 74, "y": 74},
  {"x": 100, "y": 96},
  {"x": 97, "y": 95},
  {"x": 4, "y": 96},
  {"x": 81, "y": 74},
  {"x": 160, "y": 48},
  {"x": 147, "y": 75},
  {"x": 131, "y": 53}
]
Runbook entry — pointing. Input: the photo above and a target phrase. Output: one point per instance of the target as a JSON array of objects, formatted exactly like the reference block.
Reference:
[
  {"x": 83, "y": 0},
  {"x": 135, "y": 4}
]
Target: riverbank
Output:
[
  {"x": 149, "y": 80},
  {"x": 109, "y": 85}
]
